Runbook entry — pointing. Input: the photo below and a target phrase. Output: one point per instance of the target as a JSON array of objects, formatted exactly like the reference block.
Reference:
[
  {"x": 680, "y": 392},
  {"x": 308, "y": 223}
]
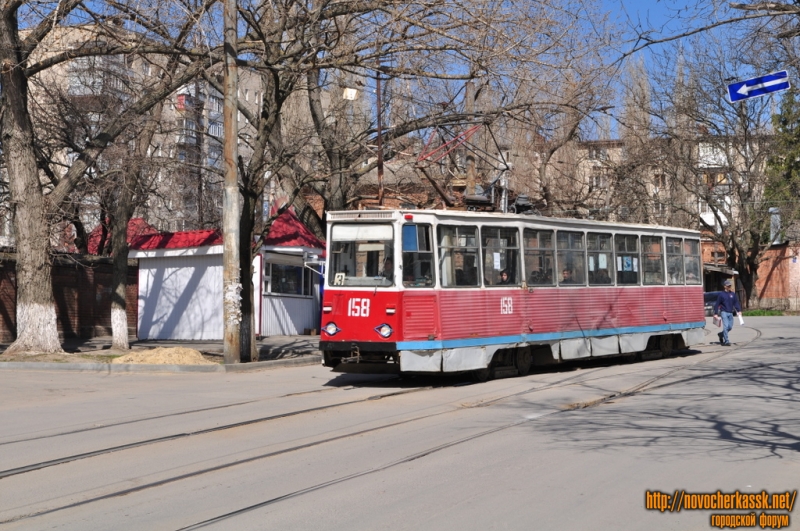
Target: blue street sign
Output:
[{"x": 758, "y": 86}]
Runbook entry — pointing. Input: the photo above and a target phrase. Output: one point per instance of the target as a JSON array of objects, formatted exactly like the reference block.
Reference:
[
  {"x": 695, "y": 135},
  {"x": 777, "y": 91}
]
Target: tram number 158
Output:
[
  {"x": 358, "y": 308},
  {"x": 506, "y": 305}
]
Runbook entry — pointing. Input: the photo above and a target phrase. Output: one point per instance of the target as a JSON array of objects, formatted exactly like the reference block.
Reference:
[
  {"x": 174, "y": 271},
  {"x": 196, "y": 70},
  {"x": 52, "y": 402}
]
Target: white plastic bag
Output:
[
  {"x": 741, "y": 319},
  {"x": 717, "y": 321}
]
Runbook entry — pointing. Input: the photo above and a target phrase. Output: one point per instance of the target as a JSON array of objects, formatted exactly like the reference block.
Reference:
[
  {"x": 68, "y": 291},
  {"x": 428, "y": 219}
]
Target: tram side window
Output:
[
  {"x": 458, "y": 259},
  {"x": 653, "y": 260},
  {"x": 571, "y": 257},
  {"x": 418, "y": 271},
  {"x": 500, "y": 255},
  {"x": 691, "y": 257},
  {"x": 601, "y": 258},
  {"x": 627, "y": 250},
  {"x": 539, "y": 257},
  {"x": 674, "y": 261}
]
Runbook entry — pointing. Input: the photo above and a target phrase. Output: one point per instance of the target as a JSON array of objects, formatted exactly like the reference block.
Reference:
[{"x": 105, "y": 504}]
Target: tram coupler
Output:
[{"x": 355, "y": 355}]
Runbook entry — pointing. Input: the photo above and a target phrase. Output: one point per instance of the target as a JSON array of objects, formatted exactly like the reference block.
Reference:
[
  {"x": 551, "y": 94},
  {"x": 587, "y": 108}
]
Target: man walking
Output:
[{"x": 726, "y": 307}]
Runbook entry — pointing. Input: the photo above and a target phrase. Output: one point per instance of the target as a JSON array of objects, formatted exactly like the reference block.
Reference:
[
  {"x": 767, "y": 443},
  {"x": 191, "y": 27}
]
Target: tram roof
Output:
[{"x": 392, "y": 215}]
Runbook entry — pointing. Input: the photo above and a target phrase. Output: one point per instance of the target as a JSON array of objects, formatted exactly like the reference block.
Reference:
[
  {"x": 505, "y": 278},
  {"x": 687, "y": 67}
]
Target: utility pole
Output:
[
  {"x": 380, "y": 137},
  {"x": 469, "y": 108},
  {"x": 231, "y": 282}
]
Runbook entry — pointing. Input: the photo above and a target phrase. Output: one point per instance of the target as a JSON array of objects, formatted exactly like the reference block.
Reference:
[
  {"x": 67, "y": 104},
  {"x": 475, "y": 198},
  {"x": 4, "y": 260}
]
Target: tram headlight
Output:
[
  {"x": 331, "y": 329},
  {"x": 384, "y": 330}
]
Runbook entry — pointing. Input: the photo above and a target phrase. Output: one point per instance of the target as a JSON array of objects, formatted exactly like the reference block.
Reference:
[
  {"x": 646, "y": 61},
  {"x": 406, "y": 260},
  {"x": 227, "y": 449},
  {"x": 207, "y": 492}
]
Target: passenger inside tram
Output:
[
  {"x": 601, "y": 277},
  {"x": 388, "y": 269}
]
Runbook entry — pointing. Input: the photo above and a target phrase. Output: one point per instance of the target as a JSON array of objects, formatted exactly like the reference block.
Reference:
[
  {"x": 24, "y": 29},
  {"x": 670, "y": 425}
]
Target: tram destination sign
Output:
[{"x": 758, "y": 86}]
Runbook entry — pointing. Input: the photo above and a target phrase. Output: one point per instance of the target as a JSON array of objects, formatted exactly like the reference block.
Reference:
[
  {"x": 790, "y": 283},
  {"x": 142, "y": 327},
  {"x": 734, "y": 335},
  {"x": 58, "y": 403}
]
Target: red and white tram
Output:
[{"x": 452, "y": 291}]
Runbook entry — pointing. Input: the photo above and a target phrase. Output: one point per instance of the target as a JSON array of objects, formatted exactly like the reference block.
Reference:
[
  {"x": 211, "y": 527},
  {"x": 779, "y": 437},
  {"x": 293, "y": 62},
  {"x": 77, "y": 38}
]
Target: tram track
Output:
[
  {"x": 574, "y": 379},
  {"x": 633, "y": 391},
  {"x": 172, "y": 414},
  {"x": 145, "y": 442}
]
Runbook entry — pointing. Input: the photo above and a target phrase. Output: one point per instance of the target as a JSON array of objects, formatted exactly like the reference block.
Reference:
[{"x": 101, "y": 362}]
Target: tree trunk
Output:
[
  {"x": 36, "y": 312},
  {"x": 247, "y": 335},
  {"x": 119, "y": 253}
]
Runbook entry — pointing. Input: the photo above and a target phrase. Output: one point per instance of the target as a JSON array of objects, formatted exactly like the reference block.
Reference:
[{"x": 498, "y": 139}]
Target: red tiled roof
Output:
[
  {"x": 137, "y": 227},
  {"x": 286, "y": 231},
  {"x": 178, "y": 240}
]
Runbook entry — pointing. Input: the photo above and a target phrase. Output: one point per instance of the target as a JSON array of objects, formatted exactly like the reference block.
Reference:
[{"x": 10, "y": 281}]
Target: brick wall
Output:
[{"x": 82, "y": 291}]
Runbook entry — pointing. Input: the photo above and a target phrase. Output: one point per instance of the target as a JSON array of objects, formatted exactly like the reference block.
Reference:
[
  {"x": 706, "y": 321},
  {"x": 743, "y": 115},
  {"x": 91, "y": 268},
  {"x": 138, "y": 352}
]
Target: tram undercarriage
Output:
[{"x": 497, "y": 361}]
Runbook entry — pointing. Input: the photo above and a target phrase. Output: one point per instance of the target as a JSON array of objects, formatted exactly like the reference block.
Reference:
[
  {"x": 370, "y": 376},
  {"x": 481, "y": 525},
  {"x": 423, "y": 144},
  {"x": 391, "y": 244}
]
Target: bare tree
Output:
[{"x": 36, "y": 45}]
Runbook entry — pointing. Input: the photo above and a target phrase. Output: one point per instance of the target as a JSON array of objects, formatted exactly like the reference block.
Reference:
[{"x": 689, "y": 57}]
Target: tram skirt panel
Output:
[
  {"x": 572, "y": 349},
  {"x": 605, "y": 346}
]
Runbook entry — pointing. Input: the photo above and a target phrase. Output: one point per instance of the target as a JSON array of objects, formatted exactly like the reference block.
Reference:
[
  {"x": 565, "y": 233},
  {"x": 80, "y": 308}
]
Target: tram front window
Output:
[{"x": 362, "y": 255}]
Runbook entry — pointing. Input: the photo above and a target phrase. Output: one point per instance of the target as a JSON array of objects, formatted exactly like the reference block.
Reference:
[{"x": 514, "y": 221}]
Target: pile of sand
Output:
[{"x": 165, "y": 356}]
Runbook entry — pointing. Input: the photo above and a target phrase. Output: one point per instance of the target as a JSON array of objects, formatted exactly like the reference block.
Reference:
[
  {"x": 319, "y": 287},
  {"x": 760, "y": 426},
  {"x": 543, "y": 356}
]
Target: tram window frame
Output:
[
  {"x": 626, "y": 251},
  {"x": 359, "y": 254},
  {"x": 652, "y": 261},
  {"x": 571, "y": 256},
  {"x": 417, "y": 258},
  {"x": 502, "y": 254},
  {"x": 541, "y": 256},
  {"x": 600, "y": 254},
  {"x": 462, "y": 239},
  {"x": 691, "y": 261},
  {"x": 674, "y": 248}
]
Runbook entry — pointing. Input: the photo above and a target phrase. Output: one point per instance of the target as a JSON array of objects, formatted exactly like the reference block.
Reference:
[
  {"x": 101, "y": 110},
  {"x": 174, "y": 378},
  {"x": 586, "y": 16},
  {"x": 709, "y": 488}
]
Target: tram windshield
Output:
[{"x": 362, "y": 255}]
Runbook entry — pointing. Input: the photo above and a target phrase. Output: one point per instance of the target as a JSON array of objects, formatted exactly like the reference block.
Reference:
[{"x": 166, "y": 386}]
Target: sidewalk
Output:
[{"x": 274, "y": 351}]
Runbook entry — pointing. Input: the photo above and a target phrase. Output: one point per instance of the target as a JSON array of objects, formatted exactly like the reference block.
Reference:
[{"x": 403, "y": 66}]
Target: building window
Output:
[
  {"x": 288, "y": 280},
  {"x": 715, "y": 179},
  {"x": 599, "y": 178},
  {"x": 598, "y": 153},
  {"x": 215, "y": 129},
  {"x": 659, "y": 182},
  {"x": 187, "y": 131},
  {"x": 216, "y": 103}
]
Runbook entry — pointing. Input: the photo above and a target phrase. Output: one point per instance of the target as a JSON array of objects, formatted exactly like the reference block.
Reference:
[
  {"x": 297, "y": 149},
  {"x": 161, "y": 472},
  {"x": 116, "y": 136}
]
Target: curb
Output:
[{"x": 314, "y": 359}]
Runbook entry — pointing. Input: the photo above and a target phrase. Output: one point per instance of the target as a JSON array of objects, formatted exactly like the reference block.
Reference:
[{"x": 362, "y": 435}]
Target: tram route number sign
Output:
[{"x": 759, "y": 86}]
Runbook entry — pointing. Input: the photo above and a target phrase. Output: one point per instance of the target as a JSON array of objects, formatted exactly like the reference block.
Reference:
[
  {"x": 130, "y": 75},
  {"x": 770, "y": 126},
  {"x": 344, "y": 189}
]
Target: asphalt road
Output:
[{"x": 304, "y": 448}]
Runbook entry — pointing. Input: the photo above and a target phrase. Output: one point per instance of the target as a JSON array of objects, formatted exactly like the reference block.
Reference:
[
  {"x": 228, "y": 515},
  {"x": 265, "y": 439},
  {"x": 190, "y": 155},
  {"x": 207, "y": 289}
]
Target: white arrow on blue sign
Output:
[{"x": 758, "y": 86}]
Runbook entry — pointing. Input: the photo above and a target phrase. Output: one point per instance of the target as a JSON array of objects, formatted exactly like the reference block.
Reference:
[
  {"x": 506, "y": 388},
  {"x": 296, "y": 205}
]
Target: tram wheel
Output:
[
  {"x": 481, "y": 375},
  {"x": 523, "y": 359},
  {"x": 328, "y": 360},
  {"x": 665, "y": 344}
]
